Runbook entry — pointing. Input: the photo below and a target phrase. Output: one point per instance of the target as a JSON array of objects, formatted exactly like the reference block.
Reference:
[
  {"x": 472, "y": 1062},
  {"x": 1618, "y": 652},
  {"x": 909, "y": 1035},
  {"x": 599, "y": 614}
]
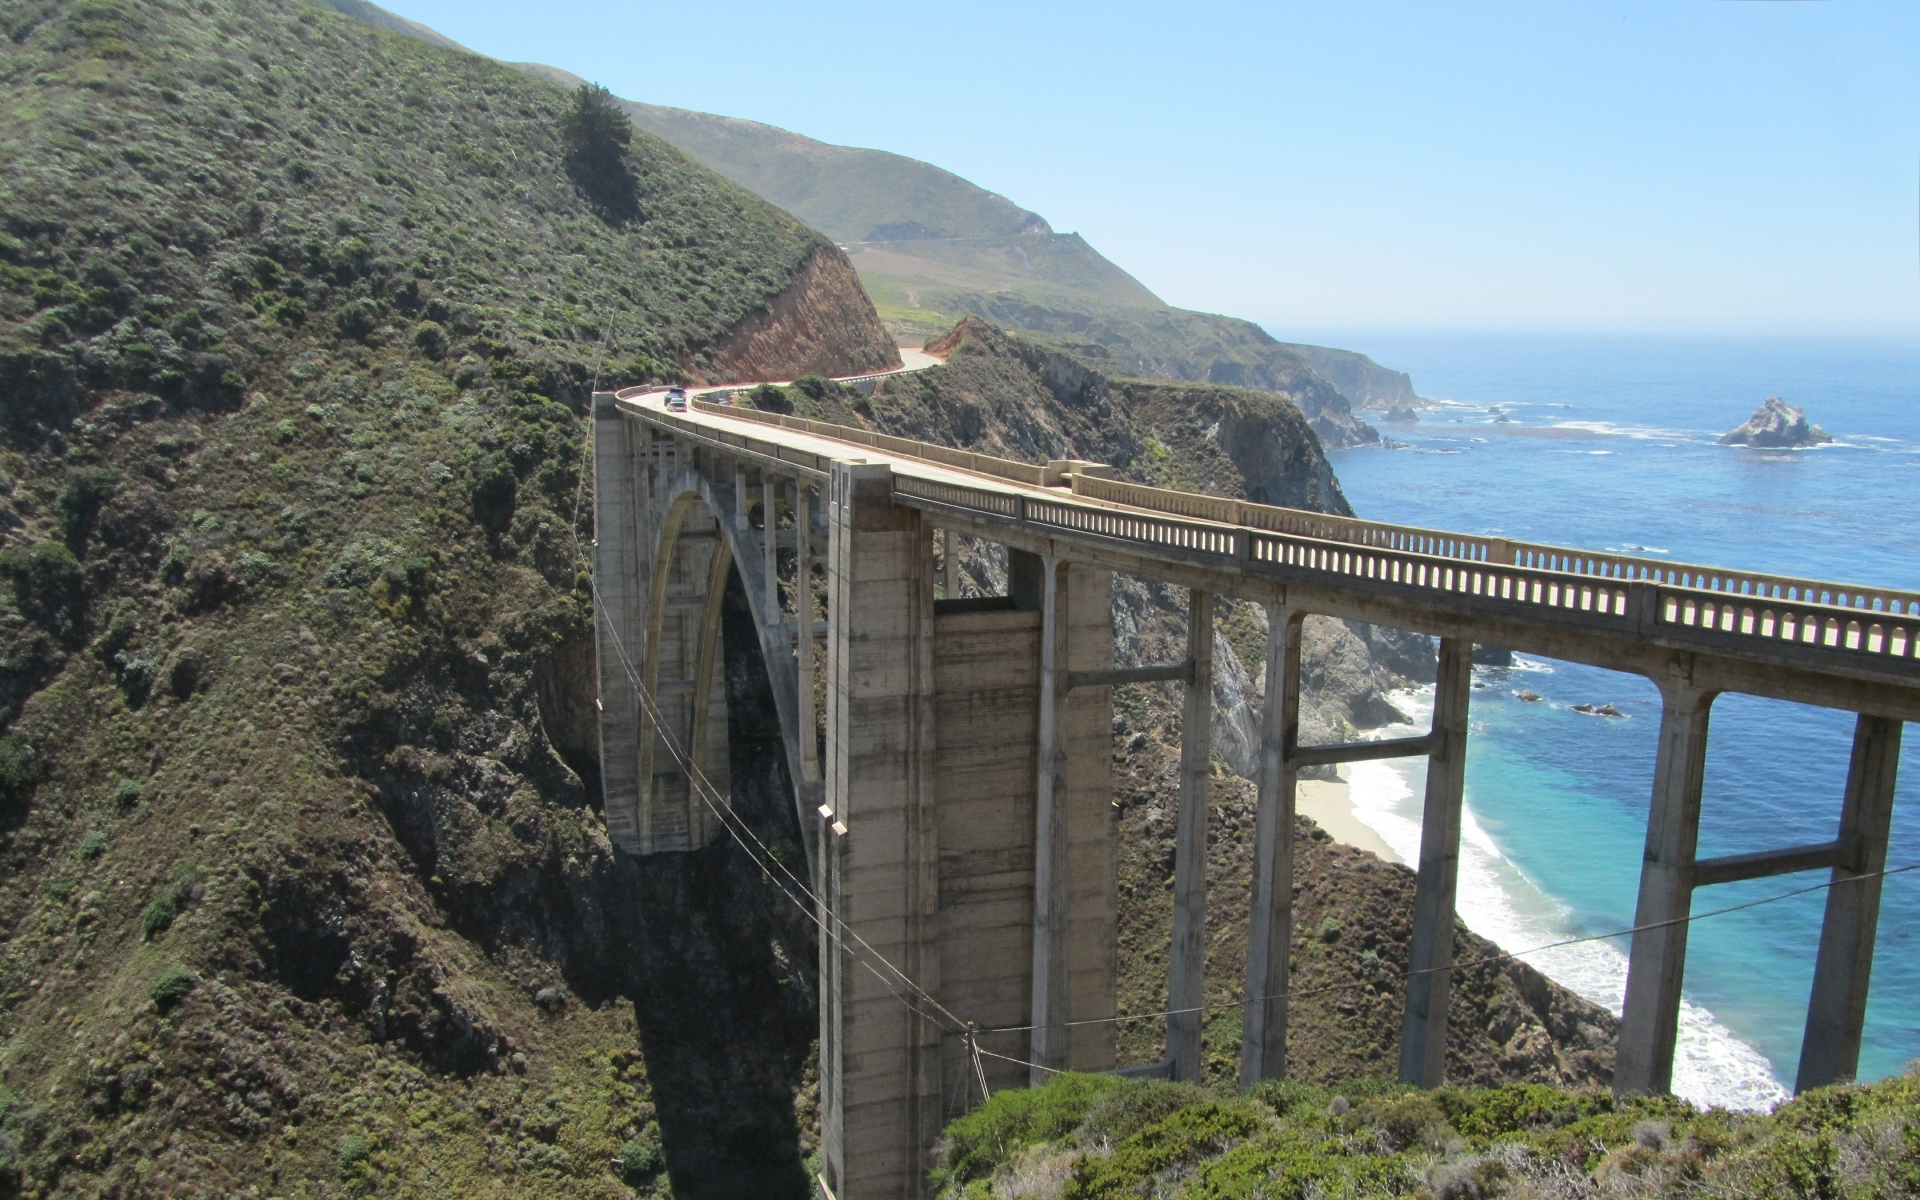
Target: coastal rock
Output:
[
  {"x": 1528, "y": 696},
  {"x": 1777, "y": 425},
  {"x": 1608, "y": 710},
  {"x": 1401, "y": 414},
  {"x": 1492, "y": 656}
]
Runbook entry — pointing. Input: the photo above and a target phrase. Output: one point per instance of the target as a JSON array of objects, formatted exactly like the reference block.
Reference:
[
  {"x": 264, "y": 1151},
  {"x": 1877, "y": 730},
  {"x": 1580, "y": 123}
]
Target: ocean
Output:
[{"x": 1611, "y": 445}]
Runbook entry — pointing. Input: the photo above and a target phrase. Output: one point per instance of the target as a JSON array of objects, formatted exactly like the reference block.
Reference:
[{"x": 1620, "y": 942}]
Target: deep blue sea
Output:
[{"x": 1612, "y": 445}]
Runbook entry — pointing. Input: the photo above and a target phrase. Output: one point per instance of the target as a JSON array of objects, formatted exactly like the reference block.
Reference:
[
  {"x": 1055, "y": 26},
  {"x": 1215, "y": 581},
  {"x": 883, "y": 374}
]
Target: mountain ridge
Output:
[{"x": 932, "y": 247}]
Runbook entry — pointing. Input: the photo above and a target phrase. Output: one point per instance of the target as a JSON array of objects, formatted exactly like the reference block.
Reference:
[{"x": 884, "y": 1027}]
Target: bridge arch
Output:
[
  {"x": 683, "y": 717},
  {"x": 672, "y": 532}
]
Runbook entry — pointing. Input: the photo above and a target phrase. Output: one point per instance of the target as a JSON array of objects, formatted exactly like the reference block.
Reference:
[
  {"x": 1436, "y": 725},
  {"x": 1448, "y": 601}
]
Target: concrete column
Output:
[
  {"x": 1423, "y": 1027},
  {"x": 740, "y": 494},
  {"x": 1837, "y": 1010},
  {"x": 769, "y": 502},
  {"x": 803, "y": 619},
  {"x": 1092, "y": 829},
  {"x": 1050, "y": 883},
  {"x": 949, "y": 565},
  {"x": 620, "y": 563},
  {"x": 1187, "y": 961},
  {"x": 1658, "y": 958},
  {"x": 884, "y": 1113},
  {"x": 1263, "y": 1033}
]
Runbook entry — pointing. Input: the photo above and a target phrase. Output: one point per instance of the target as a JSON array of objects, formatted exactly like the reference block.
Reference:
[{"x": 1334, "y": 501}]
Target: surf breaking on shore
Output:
[{"x": 1497, "y": 900}]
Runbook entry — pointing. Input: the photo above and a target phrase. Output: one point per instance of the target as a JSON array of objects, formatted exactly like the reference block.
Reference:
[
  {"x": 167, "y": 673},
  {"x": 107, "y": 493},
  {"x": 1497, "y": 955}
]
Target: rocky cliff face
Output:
[
  {"x": 1366, "y": 383},
  {"x": 821, "y": 324}
]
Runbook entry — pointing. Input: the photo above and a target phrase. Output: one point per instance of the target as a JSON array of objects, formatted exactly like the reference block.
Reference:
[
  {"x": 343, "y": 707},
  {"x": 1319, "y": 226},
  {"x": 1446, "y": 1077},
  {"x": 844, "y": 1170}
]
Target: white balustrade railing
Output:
[{"x": 1712, "y": 608}]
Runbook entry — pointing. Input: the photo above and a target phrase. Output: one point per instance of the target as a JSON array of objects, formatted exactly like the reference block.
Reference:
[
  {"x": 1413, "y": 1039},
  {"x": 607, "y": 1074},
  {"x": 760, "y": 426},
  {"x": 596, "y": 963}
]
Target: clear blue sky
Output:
[{"x": 1671, "y": 165}]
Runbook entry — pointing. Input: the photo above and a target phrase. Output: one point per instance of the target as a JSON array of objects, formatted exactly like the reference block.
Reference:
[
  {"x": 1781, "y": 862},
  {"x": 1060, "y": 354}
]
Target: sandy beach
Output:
[{"x": 1331, "y": 809}]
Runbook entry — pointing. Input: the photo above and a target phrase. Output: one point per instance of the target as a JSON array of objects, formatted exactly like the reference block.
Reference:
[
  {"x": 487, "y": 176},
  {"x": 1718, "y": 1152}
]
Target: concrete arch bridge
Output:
[{"x": 951, "y": 758}]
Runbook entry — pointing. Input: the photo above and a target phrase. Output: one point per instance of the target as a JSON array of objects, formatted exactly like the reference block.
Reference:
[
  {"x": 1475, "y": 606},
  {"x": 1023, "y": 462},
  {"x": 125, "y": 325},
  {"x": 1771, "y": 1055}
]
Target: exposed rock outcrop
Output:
[
  {"x": 1360, "y": 379},
  {"x": 1777, "y": 425},
  {"x": 822, "y": 324}
]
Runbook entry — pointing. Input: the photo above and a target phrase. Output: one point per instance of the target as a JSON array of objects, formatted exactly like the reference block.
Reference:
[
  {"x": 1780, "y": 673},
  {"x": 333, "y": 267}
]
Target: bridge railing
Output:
[
  {"x": 1754, "y": 585},
  {"x": 1710, "y": 608},
  {"x": 1717, "y": 621}
]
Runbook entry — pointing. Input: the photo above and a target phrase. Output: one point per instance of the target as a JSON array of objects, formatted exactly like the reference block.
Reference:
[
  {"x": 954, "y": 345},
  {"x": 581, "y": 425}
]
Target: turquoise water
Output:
[{"x": 1611, "y": 446}]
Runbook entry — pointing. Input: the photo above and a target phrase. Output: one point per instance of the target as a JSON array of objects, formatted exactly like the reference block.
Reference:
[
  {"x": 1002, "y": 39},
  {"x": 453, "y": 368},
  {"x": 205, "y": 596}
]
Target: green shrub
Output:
[
  {"x": 431, "y": 340},
  {"x": 637, "y": 1159},
  {"x": 1517, "y": 1108},
  {"x": 93, "y": 844},
  {"x": 1015, "y": 1119},
  {"x": 81, "y": 499},
  {"x": 159, "y": 915},
  {"x": 126, "y": 795},
  {"x": 353, "y": 1149},
  {"x": 1123, "y": 1112},
  {"x": 172, "y": 987},
  {"x": 1403, "y": 1122},
  {"x": 1330, "y": 928},
  {"x": 1184, "y": 1138}
]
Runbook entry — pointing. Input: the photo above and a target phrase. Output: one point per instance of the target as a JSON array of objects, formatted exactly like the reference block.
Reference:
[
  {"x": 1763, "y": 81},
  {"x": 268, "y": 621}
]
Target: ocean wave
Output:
[
  {"x": 1499, "y": 901},
  {"x": 1638, "y": 432}
]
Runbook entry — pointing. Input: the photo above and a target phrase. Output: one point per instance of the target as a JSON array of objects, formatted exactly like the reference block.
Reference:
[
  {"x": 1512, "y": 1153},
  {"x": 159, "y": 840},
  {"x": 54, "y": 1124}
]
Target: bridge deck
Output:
[{"x": 1833, "y": 644}]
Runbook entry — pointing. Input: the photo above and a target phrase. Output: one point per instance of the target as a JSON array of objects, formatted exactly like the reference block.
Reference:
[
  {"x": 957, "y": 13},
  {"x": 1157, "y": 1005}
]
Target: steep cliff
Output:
[
  {"x": 1366, "y": 383},
  {"x": 821, "y": 324}
]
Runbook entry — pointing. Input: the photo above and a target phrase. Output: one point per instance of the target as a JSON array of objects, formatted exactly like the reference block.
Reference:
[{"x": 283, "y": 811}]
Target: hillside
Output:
[
  {"x": 931, "y": 248},
  {"x": 303, "y": 888}
]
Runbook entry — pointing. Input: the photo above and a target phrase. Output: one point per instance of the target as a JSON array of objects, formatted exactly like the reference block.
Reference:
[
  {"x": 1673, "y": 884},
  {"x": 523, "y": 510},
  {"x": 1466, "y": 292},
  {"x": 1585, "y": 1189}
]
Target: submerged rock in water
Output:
[
  {"x": 1777, "y": 425},
  {"x": 1528, "y": 696}
]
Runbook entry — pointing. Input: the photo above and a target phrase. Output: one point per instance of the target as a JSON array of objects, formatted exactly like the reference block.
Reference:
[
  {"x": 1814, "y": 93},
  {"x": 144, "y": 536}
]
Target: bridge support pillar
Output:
[
  {"x": 1187, "y": 961},
  {"x": 1263, "y": 1031},
  {"x": 1650, "y": 1022},
  {"x": 621, "y": 583},
  {"x": 1050, "y": 871},
  {"x": 1423, "y": 1028},
  {"x": 880, "y": 1061},
  {"x": 1837, "y": 1010}
]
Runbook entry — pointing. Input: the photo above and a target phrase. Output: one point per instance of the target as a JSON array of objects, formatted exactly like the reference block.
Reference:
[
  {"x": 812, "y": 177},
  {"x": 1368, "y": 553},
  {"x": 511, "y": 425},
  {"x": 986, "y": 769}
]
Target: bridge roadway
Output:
[{"x": 955, "y": 802}]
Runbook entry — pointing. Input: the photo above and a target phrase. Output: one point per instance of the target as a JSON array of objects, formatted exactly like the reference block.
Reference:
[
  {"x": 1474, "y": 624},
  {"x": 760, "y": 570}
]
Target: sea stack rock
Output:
[{"x": 1777, "y": 425}]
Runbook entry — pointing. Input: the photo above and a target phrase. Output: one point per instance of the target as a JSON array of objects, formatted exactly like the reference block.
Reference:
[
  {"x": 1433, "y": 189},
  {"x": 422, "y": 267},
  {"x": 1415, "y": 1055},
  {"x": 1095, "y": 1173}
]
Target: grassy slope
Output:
[
  {"x": 298, "y": 887},
  {"x": 1092, "y": 1138}
]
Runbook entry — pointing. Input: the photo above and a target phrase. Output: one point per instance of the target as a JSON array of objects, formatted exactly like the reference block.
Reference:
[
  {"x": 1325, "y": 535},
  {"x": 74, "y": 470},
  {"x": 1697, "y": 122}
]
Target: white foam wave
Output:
[
  {"x": 1644, "y": 433},
  {"x": 1500, "y": 902}
]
